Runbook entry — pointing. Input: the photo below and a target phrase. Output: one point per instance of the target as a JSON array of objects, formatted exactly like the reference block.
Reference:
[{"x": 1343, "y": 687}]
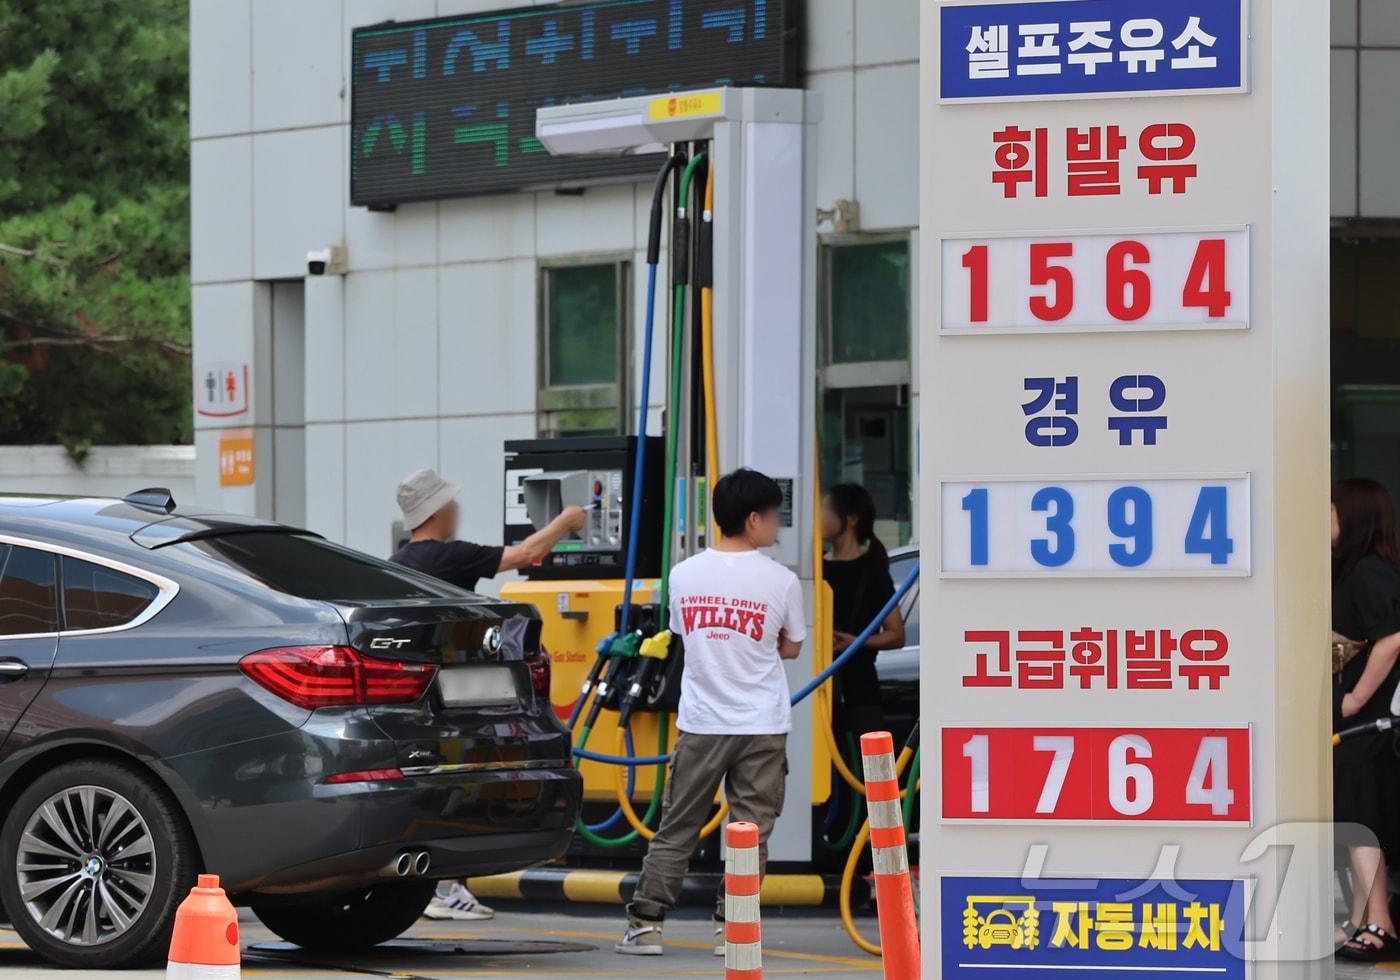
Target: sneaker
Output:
[
  {"x": 719, "y": 937},
  {"x": 453, "y": 901},
  {"x": 642, "y": 938}
]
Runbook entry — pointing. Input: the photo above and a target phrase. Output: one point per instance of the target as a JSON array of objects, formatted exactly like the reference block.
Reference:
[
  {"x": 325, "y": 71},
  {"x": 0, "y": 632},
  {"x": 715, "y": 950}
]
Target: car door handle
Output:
[{"x": 12, "y": 670}]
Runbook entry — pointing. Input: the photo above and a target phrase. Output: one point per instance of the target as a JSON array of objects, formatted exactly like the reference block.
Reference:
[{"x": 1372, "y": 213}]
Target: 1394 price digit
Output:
[{"x": 1164, "y": 526}]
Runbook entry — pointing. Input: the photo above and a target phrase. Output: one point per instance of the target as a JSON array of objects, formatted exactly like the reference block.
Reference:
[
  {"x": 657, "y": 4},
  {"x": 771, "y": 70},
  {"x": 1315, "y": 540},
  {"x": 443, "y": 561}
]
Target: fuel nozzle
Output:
[
  {"x": 653, "y": 652},
  {"x": 621, "y": 651},
  {"x": 604, "y": 650}
]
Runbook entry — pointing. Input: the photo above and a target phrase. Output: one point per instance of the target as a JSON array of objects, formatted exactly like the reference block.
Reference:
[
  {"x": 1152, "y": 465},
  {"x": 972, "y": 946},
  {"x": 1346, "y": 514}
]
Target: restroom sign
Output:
[{"x": 221, "y": 389}]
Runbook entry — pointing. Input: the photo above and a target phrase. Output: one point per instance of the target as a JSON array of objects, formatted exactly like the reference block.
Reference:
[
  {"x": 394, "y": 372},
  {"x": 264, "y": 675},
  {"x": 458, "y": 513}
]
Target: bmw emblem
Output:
[{"x": 491, "y": 642}]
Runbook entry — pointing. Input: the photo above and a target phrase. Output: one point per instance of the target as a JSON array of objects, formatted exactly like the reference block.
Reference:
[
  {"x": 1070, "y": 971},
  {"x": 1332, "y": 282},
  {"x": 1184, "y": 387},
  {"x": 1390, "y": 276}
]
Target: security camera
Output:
[{"x": 328, "y": 261}]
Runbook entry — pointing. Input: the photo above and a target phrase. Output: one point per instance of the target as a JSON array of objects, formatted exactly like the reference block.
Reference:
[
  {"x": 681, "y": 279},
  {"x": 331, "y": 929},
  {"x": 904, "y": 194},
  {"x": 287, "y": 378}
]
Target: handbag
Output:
[{"x": 1344, "y": 651}]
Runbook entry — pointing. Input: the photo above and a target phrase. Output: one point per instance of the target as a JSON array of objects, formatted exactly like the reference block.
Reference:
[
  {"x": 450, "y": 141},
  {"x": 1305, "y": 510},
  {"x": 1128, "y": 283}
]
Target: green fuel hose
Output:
[
  {"x": 913, "y": 785},
  {"x": 852, "y": 824},
  {"x": 658, "y": 790},
  {"x": 673, "y": 400},
  {"x": 679, "y": 259}
]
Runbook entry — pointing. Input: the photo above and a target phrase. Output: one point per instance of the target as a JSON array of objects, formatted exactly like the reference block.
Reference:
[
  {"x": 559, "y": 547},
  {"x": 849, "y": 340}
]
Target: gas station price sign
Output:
[
  {"x": 446, "y": 108},
  {"x": 1124, "y": 479},
  {"x": 1148, "y": 775}
]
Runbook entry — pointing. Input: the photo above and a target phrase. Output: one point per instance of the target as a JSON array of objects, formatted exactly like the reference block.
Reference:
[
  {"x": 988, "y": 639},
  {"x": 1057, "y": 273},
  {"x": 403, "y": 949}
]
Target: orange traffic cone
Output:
[
  {"x": 204, "y": 945},
  {"x": 894, "y": 897},
  {"x": 743, "y": 943}
]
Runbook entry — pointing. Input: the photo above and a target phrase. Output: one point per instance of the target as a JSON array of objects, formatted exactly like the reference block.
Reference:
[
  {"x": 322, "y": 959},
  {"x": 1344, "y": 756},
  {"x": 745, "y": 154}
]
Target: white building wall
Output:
[
  {"x": 425, "y": 353},
  {"x": 107, "y": 471}
]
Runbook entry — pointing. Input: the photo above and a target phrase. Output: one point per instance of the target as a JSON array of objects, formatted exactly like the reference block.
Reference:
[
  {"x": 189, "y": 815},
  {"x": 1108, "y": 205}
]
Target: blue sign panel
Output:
[
  {"x": 1084, "y": 48},
  {"x": 1170, "y": 929}
]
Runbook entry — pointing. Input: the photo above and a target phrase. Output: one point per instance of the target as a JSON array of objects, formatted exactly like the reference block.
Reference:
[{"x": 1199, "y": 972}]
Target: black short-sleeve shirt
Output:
[
  {"x": 1366, "y": 607},
  {"x": 1366, "y": 600},
  {"x": 460, "y": 562},
  {"x": 860, "y": 588}
]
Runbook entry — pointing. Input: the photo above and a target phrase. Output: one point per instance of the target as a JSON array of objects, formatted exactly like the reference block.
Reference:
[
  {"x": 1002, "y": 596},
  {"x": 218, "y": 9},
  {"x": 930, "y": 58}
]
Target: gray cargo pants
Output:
[{"x": 754, "y": 771}]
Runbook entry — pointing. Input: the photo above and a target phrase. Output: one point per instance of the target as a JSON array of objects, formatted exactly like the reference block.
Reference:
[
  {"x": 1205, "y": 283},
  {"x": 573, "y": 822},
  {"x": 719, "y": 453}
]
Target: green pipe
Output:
[
  {"x": 909, "y": 808},
  {"x": 673, "y": 401},
  {"x": 848, "y": 836},
  {"x": 673, "y": 398},
  {"x": 657, "y": 792},
  {"x": 909, "y": 794}
]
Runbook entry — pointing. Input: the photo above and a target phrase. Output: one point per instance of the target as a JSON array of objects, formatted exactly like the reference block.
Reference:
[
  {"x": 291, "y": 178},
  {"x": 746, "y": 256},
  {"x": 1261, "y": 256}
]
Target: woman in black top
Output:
[
  {"x": 858, "y": 569},
  {"x": 1366, "y": 770}
]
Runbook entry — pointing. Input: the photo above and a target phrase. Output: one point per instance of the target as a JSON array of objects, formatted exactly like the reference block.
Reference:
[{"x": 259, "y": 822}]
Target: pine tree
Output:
[{"x": 94, "y": 222}]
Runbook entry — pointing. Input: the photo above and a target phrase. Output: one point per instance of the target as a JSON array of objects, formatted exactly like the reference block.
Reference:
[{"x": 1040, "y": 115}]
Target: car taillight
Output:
[
  {"x": 540, "y": 671},
  {"x": 325, "y": 676},
  {"x": 365, "y": 776}
]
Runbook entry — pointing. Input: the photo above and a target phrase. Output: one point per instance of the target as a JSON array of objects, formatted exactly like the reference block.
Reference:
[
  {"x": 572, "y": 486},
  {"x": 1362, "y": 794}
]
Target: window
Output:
[
  {"x": 312, "y": 568},
  {"x": 867, "y": 302},
  {"x": 28, "y": 593},
  {"x": 866, "y": 431},
  {"x": 95, "y": 597},
  {"x": 1366, "y": 360},
  {"x": 583, "y": 355}
]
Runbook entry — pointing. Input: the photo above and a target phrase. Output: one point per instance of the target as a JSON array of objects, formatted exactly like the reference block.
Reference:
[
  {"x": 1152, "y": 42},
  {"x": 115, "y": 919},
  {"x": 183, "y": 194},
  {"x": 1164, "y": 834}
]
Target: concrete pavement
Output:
[{"x": 540, "y": 941}]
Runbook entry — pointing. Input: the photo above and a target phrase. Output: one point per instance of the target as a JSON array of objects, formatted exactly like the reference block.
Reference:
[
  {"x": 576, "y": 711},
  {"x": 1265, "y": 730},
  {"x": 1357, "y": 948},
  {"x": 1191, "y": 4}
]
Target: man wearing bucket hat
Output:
[{"x": 430, "y": 513}]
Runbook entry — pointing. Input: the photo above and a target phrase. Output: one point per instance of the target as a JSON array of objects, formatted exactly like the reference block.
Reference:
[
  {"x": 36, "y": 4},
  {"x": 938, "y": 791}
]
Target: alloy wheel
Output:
[{"x": 86, "y": 865}]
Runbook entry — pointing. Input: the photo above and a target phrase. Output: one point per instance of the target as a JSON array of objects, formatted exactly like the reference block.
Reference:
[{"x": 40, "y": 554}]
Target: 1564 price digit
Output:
[{"x": 1161, "y": 281}]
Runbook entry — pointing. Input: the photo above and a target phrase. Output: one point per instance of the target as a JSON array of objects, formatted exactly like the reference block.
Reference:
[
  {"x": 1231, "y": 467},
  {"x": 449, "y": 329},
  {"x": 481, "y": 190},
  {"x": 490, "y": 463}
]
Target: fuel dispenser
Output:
[
  {"x": 740, "y": 391},
  {"x": 543, "y": 476},
  {"x": 579, "y": 587}
]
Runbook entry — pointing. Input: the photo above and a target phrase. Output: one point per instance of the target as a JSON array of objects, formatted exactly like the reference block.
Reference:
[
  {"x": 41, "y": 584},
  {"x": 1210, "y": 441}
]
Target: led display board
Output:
[{"x": 446, "y": 107}]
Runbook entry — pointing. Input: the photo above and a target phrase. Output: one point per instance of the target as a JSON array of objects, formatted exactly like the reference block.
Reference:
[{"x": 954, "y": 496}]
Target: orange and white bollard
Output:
[
  {"x": 204, "y": 945},
  {"x": 894, "y": 896},
  {"x": 743, "y": 937}
]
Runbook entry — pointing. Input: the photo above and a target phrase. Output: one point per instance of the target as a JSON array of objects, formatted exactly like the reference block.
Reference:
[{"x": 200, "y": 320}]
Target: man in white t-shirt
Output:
[{"x": 740, "y": 616}]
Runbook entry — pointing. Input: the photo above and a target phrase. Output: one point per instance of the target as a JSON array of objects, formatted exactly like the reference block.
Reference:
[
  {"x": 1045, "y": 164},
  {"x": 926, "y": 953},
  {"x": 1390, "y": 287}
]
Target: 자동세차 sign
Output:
[{"x": 1014, "y": 927}]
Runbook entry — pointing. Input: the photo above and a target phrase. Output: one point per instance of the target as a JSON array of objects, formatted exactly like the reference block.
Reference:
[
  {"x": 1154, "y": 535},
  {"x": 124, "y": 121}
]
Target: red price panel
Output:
[
  {"x": 1164, "y": 775},
  {"x": 1178, "y": 280}
]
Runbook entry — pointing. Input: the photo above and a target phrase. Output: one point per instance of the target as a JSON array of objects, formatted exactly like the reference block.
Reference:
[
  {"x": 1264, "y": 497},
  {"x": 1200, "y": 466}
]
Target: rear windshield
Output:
[{"x": 316, "y": 569}]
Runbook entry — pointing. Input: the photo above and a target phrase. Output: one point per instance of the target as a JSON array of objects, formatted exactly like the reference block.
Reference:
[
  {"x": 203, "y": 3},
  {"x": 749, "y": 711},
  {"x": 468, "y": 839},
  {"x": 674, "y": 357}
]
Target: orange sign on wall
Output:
[{"x": 236, "y": 458}]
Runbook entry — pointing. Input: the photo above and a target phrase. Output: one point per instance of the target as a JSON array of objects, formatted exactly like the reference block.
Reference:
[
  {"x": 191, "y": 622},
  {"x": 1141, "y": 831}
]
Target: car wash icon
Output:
[{"x": 1001, "y": 920}]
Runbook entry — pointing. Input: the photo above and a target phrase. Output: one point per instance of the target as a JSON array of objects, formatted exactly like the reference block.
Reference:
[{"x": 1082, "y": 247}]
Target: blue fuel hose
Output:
[
  {"x": 630, "y": 567},
  {"x": 870, "y": 630},
  {"x": 618, "y": 815},
  {"x": 633, "y": 531},
  {"x": 629, "y": 573}
]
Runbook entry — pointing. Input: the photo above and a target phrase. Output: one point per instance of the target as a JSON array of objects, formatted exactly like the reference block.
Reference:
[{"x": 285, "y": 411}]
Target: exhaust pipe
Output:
[
  {"x": 421, "y": 861},
  {"x": 402, "y": 865}
]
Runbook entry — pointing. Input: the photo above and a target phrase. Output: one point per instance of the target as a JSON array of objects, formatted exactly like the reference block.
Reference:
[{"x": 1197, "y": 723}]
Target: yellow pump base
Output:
[{"x": 577, "y": 615}]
